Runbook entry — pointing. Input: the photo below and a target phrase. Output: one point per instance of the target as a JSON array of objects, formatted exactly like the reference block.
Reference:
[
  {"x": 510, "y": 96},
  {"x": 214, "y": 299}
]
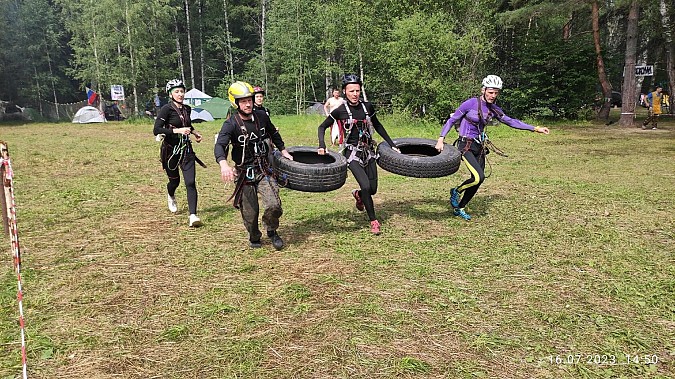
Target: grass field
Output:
[{"x": 566, "y": 271}]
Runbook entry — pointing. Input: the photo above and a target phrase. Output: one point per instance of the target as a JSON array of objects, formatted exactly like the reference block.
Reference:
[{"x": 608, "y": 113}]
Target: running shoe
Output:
[
  {"x": 194, "y": 221},
  {"x": 359, "y": 203},
  {"x": 461, "y": 213},
  {"x": 171, "y": 201},
  {"x": 375, "y": 227},
  {"x": 454, "y": 198}
]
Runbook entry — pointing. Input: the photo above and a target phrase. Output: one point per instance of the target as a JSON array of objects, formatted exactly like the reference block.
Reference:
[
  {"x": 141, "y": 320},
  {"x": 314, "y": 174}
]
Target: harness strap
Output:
[
  {"x": 236, "y": 195},
  {"x": 260, "y": 147}
]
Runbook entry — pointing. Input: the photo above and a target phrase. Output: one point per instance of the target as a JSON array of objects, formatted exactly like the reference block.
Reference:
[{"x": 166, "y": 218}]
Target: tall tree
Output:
[
  {"x": 202, "y": 63},
  {"x": 603, "y": 113},
  {"x": 188, "y": 30},
  {"x": 628, "y": 89},
  {"x": 666, "y": 11}
]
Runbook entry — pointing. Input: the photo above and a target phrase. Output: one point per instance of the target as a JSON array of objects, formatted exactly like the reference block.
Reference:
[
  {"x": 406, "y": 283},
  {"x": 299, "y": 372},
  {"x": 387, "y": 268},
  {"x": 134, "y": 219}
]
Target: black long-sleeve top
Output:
[
  {"x": 259, "y": 129},
  {"x": 168, "y": 119},
  {"x": 341, "y": 115}
]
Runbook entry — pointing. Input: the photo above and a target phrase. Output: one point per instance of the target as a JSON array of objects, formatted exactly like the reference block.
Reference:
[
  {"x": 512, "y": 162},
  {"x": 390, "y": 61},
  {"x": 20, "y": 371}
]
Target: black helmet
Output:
[{"x": 350, "y": 79}]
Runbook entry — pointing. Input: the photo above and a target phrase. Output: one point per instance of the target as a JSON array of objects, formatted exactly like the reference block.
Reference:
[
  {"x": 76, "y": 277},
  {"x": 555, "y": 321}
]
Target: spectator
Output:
[{"x": 654, "y": 100}]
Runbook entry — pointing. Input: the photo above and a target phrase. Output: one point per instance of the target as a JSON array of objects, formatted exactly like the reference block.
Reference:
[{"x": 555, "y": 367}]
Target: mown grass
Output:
[{"x": 570, "y": 252}]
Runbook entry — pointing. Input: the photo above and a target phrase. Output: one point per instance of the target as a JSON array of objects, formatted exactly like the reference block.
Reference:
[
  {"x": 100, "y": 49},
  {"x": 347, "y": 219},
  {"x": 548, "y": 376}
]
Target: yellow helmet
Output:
[{"x": 239, "y": 90}]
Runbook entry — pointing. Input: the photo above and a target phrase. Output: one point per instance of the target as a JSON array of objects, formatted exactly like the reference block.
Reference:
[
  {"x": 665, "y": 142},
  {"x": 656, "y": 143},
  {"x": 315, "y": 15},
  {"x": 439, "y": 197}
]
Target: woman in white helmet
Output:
[
  {"x": 173, "y": 121},
  {"x": 473, "y": 116}
]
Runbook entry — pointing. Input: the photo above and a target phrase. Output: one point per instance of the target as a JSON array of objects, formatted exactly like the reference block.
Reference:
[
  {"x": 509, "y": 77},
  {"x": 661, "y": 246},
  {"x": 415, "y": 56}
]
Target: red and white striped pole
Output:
[{"x": 8, "y": 188}]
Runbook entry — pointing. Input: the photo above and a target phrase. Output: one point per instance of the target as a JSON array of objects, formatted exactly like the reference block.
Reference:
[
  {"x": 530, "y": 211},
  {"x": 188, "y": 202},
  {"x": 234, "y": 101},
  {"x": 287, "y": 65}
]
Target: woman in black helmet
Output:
[
  {"x": 173, "y": 122},
  {"x": 359, "y": 122}
]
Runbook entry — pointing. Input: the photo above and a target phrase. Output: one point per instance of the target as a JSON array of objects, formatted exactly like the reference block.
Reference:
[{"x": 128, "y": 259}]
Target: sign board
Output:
[
  {"x": 644, "y": 70},
  {"x": 117, "y": 92}
]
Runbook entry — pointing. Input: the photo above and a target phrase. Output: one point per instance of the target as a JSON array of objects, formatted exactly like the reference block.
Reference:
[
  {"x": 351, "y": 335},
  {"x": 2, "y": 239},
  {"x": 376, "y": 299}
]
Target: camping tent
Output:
[
  {"x": 196, "y": 97},
  {"x": 217, "y": 107},
  {"x": 88, "y": 114},
  {"x": 198, "y": 114},
  {"x": 315, "y": 108}
]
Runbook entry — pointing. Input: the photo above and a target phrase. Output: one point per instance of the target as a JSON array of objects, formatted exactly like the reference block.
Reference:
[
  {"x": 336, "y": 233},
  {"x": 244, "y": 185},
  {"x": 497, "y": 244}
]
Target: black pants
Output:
[
  {"x": 189, "y": 176},
  {"x": 474, "y": 159},
  {"x": 367, "y": 179}
]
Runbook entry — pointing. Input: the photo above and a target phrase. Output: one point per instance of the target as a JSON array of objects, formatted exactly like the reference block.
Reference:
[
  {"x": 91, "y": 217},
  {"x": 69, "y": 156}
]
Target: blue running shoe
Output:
[
  {"x": 461, "y": 213},
  {"x": 454, "y": 198}
]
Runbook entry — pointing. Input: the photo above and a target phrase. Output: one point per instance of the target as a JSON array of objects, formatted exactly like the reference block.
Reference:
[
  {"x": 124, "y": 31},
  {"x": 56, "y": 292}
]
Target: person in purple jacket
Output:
[{"x": 473, "y": 115}]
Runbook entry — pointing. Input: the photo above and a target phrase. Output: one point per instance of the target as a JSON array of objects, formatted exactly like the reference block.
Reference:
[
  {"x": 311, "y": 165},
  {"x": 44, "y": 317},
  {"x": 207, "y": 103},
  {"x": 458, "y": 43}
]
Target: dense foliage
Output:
[{"x": 420, "y": 58}]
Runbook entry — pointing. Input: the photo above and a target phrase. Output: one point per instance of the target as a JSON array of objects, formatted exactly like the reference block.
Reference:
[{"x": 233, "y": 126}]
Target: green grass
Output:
[{"x": 570, "y": 252}]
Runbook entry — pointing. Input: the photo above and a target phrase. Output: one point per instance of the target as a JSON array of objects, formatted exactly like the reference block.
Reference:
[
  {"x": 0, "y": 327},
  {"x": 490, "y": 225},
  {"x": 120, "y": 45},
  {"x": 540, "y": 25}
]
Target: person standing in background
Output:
[
  {"x": 654, "y": 100},
  {"x": 333, "y": 102}
]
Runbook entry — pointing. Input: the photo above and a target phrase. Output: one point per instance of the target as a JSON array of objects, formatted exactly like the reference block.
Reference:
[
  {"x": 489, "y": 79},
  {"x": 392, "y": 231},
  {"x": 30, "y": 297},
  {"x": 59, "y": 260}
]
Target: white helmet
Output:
[
  {"x": 492, "y": 81},
  {"x": 174, "y": 83}
]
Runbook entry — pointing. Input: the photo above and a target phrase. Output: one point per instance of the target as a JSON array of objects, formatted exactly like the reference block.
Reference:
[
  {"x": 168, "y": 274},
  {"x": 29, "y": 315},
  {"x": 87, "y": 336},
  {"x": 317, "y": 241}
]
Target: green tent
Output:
[{"x": 216, "y": 106}]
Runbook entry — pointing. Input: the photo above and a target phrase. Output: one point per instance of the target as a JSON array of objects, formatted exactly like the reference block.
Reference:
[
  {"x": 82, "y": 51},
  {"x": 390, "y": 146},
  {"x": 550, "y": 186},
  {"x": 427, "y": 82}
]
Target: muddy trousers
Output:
[
  {"x": 367, "y": 179},
  {"x": 189, "y": 176},
  {"x": 653, "y": 118},
  {"x": 476, "y": 165},
  {"x": 268, "y": 190}
]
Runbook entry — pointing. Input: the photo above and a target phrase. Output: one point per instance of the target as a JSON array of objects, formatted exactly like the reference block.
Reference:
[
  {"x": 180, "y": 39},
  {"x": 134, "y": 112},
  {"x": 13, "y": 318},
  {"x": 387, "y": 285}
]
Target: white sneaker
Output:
[
  {"x": 194, "y": 221},
  {"x": 171, "y": 201}
]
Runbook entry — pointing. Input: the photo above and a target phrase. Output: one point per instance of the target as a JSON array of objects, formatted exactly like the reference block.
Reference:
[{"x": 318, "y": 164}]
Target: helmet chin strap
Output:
[{"x": 176, "y": 101}]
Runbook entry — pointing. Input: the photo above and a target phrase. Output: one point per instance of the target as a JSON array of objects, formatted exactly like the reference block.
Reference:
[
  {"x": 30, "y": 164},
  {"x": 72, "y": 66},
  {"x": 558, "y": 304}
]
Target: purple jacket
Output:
[{"x": 471, "y": 125}]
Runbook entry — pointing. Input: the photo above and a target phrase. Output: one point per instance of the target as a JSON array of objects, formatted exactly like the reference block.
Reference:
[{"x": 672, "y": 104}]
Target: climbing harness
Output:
[
  {"x": 258, "y": 169},
  {"x": 364, "y": 150}
]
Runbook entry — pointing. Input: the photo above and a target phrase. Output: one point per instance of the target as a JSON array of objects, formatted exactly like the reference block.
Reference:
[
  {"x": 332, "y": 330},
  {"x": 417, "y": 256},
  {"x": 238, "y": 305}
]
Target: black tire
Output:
[
  {"x": 419, "y": 158},
  {"x": 309, "y": 171}
]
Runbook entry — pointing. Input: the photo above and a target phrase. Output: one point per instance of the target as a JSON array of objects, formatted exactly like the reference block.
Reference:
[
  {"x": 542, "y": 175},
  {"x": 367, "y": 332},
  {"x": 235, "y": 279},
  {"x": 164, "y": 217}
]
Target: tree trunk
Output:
[
  {"x": 666, "y": 10},
  {"x": 131, "y": 58},
  {"x": 567, "y": 28},
  {"x": 228, "y": 38},
  {"x": 628, "y": 90},
  {"x": 39, "y": 95},
  {"x": 178, "y": 50},
  {"x": 201, "y": 45},
  {"x": 299, "y": 83},
  {"x": 96, "y": 80},
  {"x": 603, "y": 114},
  {"x": 329, "y": 92},
  {"x": 189, "y": 43},
  {"x": 263, "y": 22},
  {"x": 363, "y": 90}
]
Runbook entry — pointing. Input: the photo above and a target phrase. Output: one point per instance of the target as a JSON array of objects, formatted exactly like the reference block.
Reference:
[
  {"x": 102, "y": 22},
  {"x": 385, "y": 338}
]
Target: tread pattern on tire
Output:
[
  {"x": 419, "y": 158},
  {"x": 311, "y": 172}
]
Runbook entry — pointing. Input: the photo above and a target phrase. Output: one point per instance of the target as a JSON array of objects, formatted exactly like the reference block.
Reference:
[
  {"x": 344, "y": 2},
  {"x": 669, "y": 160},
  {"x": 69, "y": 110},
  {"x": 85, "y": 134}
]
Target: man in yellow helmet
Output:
[
  {"x": 249, "y": 132},
  {"x": 653, "y": 100}
]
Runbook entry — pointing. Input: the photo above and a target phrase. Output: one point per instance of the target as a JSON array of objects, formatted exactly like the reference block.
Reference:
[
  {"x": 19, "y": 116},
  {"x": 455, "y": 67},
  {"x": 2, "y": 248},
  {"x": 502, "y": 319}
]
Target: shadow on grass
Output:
[
  {"x": 331, "y": 222},
  {"x": 219, "y": 211},
  {"x": 348, "y": 220},
  {"x": 434, "y": 208}
]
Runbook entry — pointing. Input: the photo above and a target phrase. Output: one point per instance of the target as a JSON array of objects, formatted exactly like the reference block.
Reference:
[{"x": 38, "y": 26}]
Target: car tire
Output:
[
  {"x": 419, "y": 158},
  {"x": 309, "y": 171}
]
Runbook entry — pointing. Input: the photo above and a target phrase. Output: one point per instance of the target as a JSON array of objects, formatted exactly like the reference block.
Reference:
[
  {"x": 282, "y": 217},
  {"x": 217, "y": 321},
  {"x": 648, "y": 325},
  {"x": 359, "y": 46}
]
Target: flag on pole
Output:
[{"x": 91, "y": 96}]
